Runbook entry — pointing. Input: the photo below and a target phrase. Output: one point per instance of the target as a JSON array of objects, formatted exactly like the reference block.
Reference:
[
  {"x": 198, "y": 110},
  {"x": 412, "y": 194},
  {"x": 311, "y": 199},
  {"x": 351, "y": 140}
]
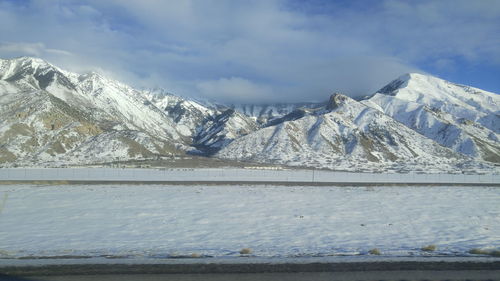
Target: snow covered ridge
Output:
[
  {"x": 416, "y": 123},
  {"x": 462, "y": 118},
  {"x": 52, "y": 115},
  {"x": 348, "y": 135}
]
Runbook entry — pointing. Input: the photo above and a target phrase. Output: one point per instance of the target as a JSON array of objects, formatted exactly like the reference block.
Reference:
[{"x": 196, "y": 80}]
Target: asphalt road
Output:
[
  {"x": 475, "y": 275},
  {"x": 421, "y": 269}
]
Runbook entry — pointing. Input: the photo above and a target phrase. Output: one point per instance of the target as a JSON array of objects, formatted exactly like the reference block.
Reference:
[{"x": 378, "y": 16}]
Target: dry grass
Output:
[
  {"x": 477, "y": 251},
  {"x": 246, "y": 251},
  {"x": 429, "y": 248},
  {"x": 4, "y": 253},
  {"x": 493, "y": 253},
  {"x": 374, "y": 251}
]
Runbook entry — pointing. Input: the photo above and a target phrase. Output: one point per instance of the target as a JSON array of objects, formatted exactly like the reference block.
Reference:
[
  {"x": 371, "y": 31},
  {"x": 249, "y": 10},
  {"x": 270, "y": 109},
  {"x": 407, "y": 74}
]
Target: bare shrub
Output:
[
  {"x": 429, "y": 248},
  {"x": 493, "y": 253},
  {"x": 246, "y": 251},
  {"x": 477, "y": 251}
]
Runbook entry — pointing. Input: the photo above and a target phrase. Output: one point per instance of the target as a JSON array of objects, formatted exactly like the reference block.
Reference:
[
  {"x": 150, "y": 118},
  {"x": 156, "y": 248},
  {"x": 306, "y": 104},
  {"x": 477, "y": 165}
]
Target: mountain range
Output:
[{"x": 52, "y": 117}]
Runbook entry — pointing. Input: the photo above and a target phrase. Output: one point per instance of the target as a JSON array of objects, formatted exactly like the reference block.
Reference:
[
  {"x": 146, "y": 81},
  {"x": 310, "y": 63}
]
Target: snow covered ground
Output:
[{"x": 161, "y": 221}]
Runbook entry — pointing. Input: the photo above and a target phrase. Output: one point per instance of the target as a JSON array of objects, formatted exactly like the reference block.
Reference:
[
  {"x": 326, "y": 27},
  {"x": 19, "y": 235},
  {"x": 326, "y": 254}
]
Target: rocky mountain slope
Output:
[
  {"x": 344, "y": 134},
  {"x": 209, "y": 128},
  {"x": 49, "y": 116},
  {"x": 53, "y": 116},
  {"x": 462, "y": 118}
]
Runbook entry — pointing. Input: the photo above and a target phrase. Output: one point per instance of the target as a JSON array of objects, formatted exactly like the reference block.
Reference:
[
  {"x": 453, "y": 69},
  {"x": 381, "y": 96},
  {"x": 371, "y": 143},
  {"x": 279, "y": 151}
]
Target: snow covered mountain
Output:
[
  {"x": 49, "y": 116},
  {"x": 462, "y": 118},
  {"x": 209, "y": 127},
  {"x": 347, "y": 135},
  {"x": 218, "y": 131},
  {"x": 186, "y": 114}
]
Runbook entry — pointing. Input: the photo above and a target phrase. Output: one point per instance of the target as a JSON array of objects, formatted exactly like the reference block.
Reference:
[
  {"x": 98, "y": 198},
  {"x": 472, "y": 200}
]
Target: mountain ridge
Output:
[
  {"x": 463, "y": 118},
  {"x": 346, "y": 135},
  {"x": 53, "y": 117}
]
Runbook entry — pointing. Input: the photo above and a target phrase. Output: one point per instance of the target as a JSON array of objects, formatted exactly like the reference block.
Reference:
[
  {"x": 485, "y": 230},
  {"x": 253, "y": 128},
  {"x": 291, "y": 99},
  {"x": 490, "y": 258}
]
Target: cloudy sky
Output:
[{"x": 260, "y": 51}]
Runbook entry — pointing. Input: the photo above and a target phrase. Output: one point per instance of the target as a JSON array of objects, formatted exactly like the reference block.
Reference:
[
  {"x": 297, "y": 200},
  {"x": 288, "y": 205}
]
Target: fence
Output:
[{"x": 233, "y": 175}]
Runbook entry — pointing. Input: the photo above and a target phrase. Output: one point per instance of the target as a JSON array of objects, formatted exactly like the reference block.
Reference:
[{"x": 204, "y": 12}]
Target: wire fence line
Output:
[{"x": 233, "y": 175}]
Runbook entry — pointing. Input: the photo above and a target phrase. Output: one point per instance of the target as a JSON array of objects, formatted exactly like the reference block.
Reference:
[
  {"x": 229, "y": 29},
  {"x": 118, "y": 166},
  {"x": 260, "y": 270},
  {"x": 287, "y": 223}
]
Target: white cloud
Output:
[
  {"x": 294, "y": 50},
  {"x": 30, "y": 49},
  {"x": 235, "y": 89}
]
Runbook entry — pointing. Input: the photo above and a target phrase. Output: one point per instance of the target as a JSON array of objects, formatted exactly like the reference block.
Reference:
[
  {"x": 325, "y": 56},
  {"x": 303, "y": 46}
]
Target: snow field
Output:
[{"x": 161, "y": 221}]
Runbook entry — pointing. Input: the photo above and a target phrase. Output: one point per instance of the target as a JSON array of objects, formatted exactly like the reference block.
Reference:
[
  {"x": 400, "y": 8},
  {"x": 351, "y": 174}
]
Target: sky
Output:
[{"x": 260, "y": 51}]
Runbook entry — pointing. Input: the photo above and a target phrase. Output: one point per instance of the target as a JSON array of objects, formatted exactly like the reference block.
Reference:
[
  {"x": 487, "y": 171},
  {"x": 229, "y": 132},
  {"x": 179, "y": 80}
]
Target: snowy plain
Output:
[{"x": 162, "y": 221}]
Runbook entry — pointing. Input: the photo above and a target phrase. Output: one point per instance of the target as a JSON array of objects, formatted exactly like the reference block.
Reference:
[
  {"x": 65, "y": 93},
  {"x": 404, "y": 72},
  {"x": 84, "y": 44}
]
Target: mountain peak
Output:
[
  {"x": 413, "y": 75},
  {"x": 336, "y": 100},
  {"x": 401, "y": 82},
  {"x": 21, "y": 66},
  {"x": 29, "y": 61},
  {"x": 417, "y": 86}
]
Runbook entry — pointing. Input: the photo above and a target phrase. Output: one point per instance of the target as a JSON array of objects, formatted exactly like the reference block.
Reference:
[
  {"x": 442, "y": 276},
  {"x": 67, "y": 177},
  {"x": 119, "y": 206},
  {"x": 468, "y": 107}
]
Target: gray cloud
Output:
[
  {"x": 31, "y": 49},
  {"x": 235, "y": 89},
  {"x": 253, "y": 51}
]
